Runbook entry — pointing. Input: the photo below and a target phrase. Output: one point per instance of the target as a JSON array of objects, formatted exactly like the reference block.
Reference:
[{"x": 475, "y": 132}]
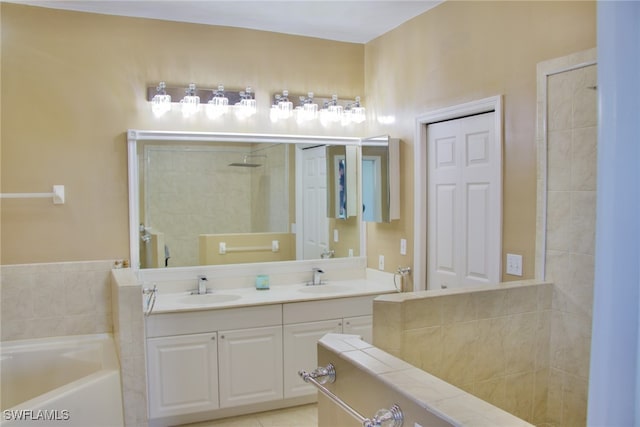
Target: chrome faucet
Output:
[
  {"x": 316, "y": 280},
  {"x": 202, "y": 285},
  {"x": 327, "y": 253}
]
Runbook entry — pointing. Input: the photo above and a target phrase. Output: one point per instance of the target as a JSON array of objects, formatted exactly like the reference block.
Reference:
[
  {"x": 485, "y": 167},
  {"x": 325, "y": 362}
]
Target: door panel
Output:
[
  {"x": 301, "y": 352},
  {"x": 182, "y": 374},
  {"x": 464, "y": 211},
  {"x": 250, "y": 366}
]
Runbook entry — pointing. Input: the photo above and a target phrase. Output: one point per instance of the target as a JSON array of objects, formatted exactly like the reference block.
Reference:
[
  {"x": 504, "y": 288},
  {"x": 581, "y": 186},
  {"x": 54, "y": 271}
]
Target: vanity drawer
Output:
[
  {"x": 310, "y": 311},
  {"x": 195, "y": 322}
]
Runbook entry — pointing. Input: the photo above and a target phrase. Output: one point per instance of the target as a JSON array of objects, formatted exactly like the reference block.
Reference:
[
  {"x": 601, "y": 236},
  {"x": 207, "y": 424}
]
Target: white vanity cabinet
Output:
[
  {"x": 204, "y": 364},
  {"x": 250, "y": 365},
  {"x": 182, "y": 374},
  {"x": 342, "y": 315},
  {"x": 300, "y": 352},
  {"x": 193, "y": 355}
]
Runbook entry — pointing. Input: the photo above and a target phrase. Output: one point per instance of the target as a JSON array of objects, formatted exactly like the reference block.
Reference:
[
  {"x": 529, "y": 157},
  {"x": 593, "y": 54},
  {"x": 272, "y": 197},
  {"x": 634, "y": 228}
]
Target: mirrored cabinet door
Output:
[{"x": 380, "y": 171}]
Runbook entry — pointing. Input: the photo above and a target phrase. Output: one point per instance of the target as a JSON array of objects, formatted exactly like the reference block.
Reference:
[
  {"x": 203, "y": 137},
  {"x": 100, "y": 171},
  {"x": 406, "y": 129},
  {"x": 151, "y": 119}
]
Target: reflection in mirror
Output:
[
  {"x": 205, "y": 198},
  {"x": 380, "y": 179},
  {"x": 195, "y": 192},
  {"x": 341, "y": 182}
]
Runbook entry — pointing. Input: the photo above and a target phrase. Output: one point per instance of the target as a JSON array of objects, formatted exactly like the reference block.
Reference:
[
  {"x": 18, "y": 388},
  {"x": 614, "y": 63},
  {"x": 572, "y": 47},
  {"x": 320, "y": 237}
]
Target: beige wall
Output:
[
  {"x": 89, "y": 74},
  {"x": 458, "y": 52},
  {"x": 76, "y": 82}
]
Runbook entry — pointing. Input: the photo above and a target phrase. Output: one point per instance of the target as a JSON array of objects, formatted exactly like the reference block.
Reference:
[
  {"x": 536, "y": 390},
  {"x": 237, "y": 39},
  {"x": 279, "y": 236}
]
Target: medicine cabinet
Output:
[{"x": 380, "y": 170}]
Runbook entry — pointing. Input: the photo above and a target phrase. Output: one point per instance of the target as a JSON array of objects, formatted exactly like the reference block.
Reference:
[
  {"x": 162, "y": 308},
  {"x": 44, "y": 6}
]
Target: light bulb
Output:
[
  {"x": 161, "y": 102},
  {"x": 247, "y": 105},
  {"x": 190, "y": 102},
  {"x": 358, "y": 112},
  {"x": 218, "y": 105}
]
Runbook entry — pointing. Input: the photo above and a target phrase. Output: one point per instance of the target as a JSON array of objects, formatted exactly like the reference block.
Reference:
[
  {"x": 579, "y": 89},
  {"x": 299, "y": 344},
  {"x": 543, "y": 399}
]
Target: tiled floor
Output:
[{"x": 299, "y": 416}]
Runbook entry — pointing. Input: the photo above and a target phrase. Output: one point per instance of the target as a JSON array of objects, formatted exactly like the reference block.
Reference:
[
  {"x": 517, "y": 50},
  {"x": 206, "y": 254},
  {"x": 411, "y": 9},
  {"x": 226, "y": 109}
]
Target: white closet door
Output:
[{"x": 464, "y": 208}]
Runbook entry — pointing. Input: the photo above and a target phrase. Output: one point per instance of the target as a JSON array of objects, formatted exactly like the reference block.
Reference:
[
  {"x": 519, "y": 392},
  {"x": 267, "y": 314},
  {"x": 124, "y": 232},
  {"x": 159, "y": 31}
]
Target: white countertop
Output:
[{"x": 242, "y": 297}]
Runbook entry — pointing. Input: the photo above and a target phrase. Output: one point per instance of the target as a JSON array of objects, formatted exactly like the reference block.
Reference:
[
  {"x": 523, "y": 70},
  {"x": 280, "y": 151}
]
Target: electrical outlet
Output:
[
  {"x": 381, "y": 262},
  {"x": 514, "y": 264},
  {"x": 350, "y": 252},
  {"x": 403, "y": 246}
]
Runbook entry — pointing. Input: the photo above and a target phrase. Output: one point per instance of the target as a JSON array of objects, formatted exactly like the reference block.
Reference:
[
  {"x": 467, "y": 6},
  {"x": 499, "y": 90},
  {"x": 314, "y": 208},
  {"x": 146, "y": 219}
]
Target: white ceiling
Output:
[{"x": 356, "y": 21}]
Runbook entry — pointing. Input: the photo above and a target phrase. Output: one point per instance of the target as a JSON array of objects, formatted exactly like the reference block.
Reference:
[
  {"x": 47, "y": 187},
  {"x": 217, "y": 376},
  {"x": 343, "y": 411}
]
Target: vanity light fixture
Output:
[
  {"x": 218, "y": 105},
  {"x": 191, "y": 101},
  {"x": 161, "y": 101},
  {"x": 246, "y": 107},
  {"x": 334, "y": 110}
]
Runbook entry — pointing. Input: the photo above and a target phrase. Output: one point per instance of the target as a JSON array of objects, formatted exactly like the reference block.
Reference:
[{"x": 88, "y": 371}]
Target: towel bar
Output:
[
  {"x": 57, "y": 195},
  {"x": 392, "y": 417},
  {"x": 224, "y": 249}
]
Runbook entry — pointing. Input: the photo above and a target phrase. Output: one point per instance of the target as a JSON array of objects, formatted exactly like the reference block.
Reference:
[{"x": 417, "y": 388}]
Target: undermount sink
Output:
[
  {"x": 208, "y": 298},
  {"x": 324, "y": 289}
]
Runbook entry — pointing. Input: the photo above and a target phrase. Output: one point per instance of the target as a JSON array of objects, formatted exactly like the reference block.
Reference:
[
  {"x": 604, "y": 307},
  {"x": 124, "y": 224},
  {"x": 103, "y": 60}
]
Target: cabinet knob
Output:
[
  {"x": 221, "y": 337},
  {"x": 348, "y": 323},
  {"x": 213, "y": 338},
  {"x": 339, "y": 323}
]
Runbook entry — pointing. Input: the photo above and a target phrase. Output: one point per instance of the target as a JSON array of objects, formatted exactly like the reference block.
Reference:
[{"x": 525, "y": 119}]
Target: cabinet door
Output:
[
  {"x": 300, "y": 352},
  {"x": 182, "y": 374},
  {"x": 250, "y": 366},
  {"x": 361, "y": 325}
]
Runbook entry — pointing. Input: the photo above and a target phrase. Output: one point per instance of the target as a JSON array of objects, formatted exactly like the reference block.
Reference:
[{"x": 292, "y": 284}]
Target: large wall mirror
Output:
[{"x": 211, "y": 198}]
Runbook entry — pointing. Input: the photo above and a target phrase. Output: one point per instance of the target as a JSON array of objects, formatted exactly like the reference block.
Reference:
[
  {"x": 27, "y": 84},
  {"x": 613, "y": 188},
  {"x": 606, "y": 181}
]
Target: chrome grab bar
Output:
[{"x": 392, "y": 417}]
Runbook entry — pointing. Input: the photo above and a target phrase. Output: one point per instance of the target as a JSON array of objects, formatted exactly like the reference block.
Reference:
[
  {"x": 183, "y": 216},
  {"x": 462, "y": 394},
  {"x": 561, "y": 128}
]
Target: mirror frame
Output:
[{"x": 135, "y": 135}]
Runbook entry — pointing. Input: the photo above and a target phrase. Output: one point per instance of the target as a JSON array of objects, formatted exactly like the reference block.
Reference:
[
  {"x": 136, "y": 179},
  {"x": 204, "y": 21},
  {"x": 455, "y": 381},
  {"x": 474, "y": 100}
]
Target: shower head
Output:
[{"x": 245, "y": 163}]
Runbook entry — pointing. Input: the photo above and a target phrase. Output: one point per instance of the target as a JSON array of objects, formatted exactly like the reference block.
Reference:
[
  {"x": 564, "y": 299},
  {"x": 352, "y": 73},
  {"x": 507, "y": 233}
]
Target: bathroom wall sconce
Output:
[
  {"x": 218, "y": 105},
  {"x": 161, "y": 101},
  {"x": 307, "y": 110},
  {"x": 190, "y": 102},
  {"x": 246, "y": 107},
  {"x": 355, "y": 112},
  {"x": 281, "y": 108},
  {"x": 334, "y": 110},
  {"x": 331, "y": 111},
  {"x": 217, "y": 102}
]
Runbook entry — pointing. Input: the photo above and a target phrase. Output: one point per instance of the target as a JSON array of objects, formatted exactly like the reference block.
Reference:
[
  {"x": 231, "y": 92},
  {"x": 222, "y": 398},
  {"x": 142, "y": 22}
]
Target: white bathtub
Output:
[{"x": 61, "y": 381}]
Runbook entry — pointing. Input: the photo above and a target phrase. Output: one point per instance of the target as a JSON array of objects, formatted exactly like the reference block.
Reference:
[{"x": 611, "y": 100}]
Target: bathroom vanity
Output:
[
  {"x": 257, "y": 205},
  {"x": 223, "y": 353}
]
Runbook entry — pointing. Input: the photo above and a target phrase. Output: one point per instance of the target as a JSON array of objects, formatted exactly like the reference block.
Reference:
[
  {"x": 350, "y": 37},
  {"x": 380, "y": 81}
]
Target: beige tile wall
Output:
[
  {"x": 570, "y": 237},
  {"x": 368, "y": 379},
  {"x": 55, "y": 299},
  {"x": 128, "y": 328},
  {"x": 493, "y": 343}
]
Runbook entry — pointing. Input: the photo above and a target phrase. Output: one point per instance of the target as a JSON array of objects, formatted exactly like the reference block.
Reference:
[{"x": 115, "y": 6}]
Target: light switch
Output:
[
  {"x": 403, "y": 246},
  {"x": 381, "y": 262},
  {"x": 336, "y": 237}
]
